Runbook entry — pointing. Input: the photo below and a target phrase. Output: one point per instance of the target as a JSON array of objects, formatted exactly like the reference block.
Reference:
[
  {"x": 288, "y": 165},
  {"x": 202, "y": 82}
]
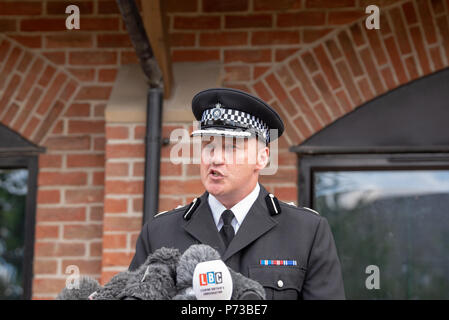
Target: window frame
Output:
[
  {"x": 29, "y": 162},
  {"x": 309, "y": 164}
]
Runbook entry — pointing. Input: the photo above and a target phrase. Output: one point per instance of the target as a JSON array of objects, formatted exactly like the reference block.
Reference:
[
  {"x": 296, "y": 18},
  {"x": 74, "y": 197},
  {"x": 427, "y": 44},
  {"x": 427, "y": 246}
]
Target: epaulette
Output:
[
  {"x": 273, "y": 204},
  {"x": 162, "y": 212},
  {"x": 191, "y": 208},
  {"x": 308, "y": 209}
]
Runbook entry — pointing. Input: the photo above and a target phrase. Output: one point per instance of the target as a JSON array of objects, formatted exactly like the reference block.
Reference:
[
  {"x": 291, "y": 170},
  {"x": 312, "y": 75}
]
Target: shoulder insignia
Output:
[
  {"x": 160, "y": 213},
  {"x": 191, "y": 208},
  {"x": 273, "y": 204},
  {"x": 308, "y": 209}
]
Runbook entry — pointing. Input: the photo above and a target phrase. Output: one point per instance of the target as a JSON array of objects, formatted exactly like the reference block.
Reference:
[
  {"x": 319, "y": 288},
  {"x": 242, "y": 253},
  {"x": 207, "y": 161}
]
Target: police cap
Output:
[{"x": 231, "y": 112}]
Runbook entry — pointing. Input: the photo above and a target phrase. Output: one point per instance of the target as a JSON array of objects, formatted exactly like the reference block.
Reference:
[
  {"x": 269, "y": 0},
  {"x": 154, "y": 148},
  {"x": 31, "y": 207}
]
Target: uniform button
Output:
[{"x": 280, "y": 283}]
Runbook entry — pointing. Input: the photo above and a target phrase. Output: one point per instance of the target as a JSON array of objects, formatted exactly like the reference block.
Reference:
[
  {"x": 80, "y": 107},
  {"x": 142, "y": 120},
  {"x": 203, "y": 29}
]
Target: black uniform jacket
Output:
[{"x": 294, "y": 234}]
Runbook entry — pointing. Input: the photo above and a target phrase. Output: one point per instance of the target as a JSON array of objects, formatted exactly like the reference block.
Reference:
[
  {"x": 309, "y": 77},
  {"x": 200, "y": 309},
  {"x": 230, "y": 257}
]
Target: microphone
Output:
[
  {"x": 155, "y": 278},
  {"x": 166, "y": 274},
  {"x": 113, "y": 289},
  {"x": 194, "y": 255},
  {"x": 86, "y": 286},
  {"x": 188, "y": 261},
  {"x": 243, "y": 288},
  {"x": 90, "y": 289}
]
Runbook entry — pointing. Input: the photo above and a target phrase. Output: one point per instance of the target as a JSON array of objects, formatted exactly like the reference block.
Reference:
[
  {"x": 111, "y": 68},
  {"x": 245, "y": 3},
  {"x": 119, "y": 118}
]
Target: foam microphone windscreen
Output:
[
  {"x": 113, "y": 289},
  {"x": 243, "y": 288},
  {"x": 154, "y": 279},
  {"x": 195, "y": 254},
  {"x": 80, "y": 291}
]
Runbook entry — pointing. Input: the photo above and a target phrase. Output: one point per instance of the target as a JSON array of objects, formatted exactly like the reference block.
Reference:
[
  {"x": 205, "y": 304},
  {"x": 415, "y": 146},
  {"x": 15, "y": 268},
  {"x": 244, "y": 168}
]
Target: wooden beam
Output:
[{"x": 155, "y": 21}]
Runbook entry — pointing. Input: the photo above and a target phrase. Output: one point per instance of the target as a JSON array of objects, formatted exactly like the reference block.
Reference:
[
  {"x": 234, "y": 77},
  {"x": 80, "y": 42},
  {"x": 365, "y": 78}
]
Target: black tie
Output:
[{"x": 227, "y": 231}]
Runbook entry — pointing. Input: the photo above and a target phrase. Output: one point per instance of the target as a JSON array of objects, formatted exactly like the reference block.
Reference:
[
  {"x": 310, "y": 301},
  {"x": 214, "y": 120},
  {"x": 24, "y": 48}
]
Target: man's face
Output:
[{"x": 228, "y": 165}]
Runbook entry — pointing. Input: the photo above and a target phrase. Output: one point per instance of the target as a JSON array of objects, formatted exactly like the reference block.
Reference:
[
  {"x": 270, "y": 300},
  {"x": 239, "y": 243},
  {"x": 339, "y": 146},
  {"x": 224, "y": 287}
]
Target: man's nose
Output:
[{"x": 218, "y": 156}]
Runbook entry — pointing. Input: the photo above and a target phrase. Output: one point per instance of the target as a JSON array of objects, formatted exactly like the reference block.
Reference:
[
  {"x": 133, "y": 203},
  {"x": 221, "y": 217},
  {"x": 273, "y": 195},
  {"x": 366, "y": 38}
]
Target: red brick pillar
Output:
[{"x": 125, "y": 152}]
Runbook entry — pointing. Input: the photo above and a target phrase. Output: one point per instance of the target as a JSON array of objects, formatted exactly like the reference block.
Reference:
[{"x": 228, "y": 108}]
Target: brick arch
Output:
[
  {"x": 35, "y": 96},
  {"x": 353, "y": 65},
  {"x": 34, "y": 92}
]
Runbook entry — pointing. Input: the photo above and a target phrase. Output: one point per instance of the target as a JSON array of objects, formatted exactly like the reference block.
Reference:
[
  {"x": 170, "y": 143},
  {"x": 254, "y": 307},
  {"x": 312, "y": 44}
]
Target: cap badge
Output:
[{"x": 217, "y": 112}]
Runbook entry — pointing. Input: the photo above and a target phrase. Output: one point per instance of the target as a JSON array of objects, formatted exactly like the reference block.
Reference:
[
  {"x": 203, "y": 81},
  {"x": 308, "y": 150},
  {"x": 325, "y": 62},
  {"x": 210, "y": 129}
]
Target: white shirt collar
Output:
[{"x": 240, "y": 209}]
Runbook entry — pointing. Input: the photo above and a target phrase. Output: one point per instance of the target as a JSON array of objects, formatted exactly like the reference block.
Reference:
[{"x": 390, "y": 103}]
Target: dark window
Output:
[
  {"x": 13, "y": 191},
  {"x": 395, "y": 218},
  {"x": 18, "y": 178},
  {"x": 380, "y": 175}
]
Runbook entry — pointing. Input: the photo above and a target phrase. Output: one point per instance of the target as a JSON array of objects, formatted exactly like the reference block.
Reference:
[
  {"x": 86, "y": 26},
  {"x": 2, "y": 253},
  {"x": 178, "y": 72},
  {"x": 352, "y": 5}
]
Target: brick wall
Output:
[
  {"x": 313, "y": 60},
  {"x": 55, "y": 85},
  {"x": 250, "y": 36},
  {"x": 353, "y": 65},
  {"x": 125, "y": 151}
]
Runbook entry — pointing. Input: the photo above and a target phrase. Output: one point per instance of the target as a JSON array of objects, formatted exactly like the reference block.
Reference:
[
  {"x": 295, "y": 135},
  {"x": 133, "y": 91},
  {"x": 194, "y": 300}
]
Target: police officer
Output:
[{"x": 287, "y": 249}]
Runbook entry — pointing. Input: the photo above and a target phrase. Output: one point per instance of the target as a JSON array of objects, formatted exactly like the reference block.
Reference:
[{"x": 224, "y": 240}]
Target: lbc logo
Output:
[{"x": 210, "y": 278}]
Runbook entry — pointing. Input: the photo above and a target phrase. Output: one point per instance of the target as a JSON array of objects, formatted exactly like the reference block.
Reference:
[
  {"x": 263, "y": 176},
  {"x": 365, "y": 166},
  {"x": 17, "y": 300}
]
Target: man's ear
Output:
[{"x": 263, "y": 156}]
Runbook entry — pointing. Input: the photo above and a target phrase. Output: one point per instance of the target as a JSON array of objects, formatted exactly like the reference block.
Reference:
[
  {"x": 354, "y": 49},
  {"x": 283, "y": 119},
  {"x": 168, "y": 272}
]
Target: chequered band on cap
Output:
[
  {"x": 220, "y": 117},
  {"x": 235, "y": 113}
]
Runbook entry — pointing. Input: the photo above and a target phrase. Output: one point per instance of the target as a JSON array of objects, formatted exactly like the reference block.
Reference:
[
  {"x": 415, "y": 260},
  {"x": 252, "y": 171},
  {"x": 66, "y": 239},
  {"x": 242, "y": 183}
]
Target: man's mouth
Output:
[{"x": 216, "y": 173}]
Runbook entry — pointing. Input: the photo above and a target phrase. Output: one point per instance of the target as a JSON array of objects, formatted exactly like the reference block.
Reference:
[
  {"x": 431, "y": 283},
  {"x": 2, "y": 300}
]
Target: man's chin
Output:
[{"x": 215, "y": 189}]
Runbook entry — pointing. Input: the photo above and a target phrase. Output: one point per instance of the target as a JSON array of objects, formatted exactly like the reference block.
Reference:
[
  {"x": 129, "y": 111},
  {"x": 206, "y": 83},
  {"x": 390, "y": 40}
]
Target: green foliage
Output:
[{"x": 13, "y": 185}]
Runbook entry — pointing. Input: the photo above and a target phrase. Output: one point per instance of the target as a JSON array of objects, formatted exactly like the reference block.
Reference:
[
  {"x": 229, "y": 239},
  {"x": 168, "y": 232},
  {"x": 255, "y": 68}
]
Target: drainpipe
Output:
[
  {"x": 139, "y": 39},
  {"x": 152, "y": 153}
]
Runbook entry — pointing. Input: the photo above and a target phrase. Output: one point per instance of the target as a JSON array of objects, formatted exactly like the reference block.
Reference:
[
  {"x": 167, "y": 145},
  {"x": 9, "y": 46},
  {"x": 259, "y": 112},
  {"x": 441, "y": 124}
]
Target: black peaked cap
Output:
[{"x": 237, "y": 100}]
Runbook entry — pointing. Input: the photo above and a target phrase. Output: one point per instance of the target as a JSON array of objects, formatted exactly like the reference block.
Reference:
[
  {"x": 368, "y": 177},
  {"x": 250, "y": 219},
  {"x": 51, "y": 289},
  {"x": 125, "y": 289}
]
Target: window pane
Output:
[
  {"x": 13, "y": 190},
  {"x": 396, "y": 220}
]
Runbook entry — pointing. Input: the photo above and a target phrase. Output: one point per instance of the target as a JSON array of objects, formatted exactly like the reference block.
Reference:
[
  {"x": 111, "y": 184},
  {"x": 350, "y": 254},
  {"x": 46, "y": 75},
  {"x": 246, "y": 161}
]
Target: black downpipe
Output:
[
  {"x": 139, "y": 39},
  {"x": 153, "y": 141}
]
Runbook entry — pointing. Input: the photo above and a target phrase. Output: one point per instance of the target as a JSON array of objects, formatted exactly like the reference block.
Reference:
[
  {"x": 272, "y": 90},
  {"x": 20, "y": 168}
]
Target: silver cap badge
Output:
[{"x": 217, "y": 112}]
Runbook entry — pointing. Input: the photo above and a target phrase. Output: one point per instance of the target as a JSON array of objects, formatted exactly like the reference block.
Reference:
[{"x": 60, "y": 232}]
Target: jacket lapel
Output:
[
  {"x": 256, "y": 223},
  {"x": 202, "y": 226}
]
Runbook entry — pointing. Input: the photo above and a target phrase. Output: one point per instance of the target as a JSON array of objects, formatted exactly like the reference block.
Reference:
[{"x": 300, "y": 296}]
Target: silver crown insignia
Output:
[{"x": 217, "y": 111}]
